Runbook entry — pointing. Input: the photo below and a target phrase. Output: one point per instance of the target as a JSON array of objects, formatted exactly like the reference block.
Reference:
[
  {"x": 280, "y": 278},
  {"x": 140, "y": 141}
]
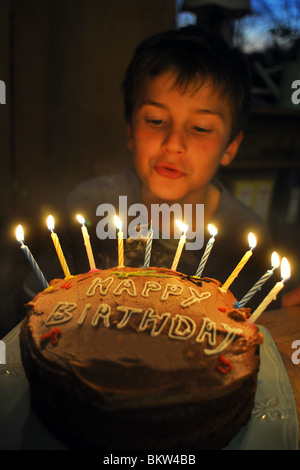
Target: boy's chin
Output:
[{"x": 167, "y": 194}]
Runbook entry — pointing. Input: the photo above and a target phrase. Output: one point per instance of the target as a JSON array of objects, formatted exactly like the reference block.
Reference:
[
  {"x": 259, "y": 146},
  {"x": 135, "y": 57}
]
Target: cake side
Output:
[{"x": 151, "y": 344}]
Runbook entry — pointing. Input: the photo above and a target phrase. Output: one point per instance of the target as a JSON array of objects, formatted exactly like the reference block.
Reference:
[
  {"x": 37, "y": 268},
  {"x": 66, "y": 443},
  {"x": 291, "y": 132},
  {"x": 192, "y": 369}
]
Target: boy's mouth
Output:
[{"x": 168, "y": 170}]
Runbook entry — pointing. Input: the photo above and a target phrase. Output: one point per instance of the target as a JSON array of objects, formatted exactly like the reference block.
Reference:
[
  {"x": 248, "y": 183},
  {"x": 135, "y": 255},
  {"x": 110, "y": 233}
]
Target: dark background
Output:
[{"x": 63, "y": 62}]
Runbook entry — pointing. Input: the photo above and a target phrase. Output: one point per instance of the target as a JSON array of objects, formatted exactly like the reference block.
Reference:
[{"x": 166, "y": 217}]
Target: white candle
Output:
[
  {"x": 275, "y": 262},
  {"x": 30, "y": 258},
  {"x": 180, "y": 246},
  {"x": 120, "y": 241},
  {"x": 87, "y": 243},
  {"x": 62, "y": 260},
  {"x": 213, "y": 232},
  {"x": 148, "y": 248},
  {"x": 241, "y": 264},
  {"x": 285, "y": 274}
]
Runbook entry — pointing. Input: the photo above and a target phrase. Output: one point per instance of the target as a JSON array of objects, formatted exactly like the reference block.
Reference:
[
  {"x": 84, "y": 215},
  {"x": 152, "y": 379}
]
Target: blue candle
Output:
[
  {"x": 275, "y": 263},
  {"x": 213, "y": 232},
  {"x": 30, "y": 258}
]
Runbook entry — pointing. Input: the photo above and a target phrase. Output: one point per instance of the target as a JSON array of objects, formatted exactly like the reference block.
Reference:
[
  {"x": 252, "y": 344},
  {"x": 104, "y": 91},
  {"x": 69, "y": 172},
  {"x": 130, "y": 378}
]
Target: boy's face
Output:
[{"x": 179, "y": 139}]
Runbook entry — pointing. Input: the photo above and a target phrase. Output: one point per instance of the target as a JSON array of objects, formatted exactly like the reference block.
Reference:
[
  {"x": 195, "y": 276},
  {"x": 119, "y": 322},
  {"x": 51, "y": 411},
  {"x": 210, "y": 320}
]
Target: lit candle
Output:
[
  {"x": 87, "y": 243},
  {"x": 30, "y": 258},
  {"x": 180, "y": 246},
  {"x": 241, "y": 264},
  {"x": 148, "y": 248},
  {"x": 285, "y": 274},
  {"x": 275, "y": 262},
  {"x": 120, "y": 241},
  {"x": 50, "y": 224},
  {"x": 213, "y": 232}
]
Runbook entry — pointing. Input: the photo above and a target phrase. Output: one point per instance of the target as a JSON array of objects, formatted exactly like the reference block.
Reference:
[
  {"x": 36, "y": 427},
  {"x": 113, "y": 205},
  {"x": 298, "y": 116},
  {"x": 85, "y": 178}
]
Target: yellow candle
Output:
[
  {"x": 120, "y": 241},
  {"x": 87, "y": 243},
  {"x": 285, "y": 274},
  {"x": 180, "y": 246},
  {"x": 241, "y": 264},
  {"x": 62, "y": 260}
]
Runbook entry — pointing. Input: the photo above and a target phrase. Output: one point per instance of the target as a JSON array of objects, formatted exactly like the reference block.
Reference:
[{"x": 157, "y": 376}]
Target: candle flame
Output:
[
  {"x": 275, "y": 261},
  {"x": 285, "y": 269},
  {"x": 50, "y": 223},
  {"x": 252, "y": 240},
  {"x": 118, "y": 222},
  {"x": 80, "y": 219},
  {"x": 212, "y": 230},
  {"x": 20, "y": 233},
  {"x": 182, "y": 226}
]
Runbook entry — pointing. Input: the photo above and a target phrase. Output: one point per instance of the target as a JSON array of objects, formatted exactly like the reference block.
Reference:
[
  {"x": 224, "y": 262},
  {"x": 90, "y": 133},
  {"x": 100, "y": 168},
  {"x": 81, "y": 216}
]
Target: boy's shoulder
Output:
[{"x": 236, "y": 215}]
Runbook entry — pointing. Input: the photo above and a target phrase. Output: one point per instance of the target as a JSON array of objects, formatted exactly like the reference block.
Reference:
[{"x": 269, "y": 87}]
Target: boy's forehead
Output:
[
  {"x": 169, "y": 81},
  {"x": 153, "y": 87}
]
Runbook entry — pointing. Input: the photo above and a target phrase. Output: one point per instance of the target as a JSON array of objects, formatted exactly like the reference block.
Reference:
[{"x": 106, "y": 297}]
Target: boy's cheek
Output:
[{"x": 129, "y": 136}]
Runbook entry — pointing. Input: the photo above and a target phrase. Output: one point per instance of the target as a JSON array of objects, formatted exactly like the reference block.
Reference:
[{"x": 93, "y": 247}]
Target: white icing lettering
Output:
[
  {"x": 208, "y": 330},
  {"x": 150, "y": 286},
  {"x": 81, "y": 319},
  {"x": 195, "y": 297},
  {"x": 171, "y": 289},
  {"x": 99, "y": 283},
  {"x": 230, "y": 335},
  {"x": 182, "y": 327},
  {"x": 103, "y": 311},
  {"x": 179, "y": 327},
  {"x": 150, "y": 318},
  {"x": 61, "y": 313},
  {"x": 128, "y": 286},
  {"x": 128, "y": 312}
]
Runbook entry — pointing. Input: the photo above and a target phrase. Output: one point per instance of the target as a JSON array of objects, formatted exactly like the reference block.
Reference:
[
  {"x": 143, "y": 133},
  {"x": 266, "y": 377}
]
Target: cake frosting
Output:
[{"x": 140, "y": 358}]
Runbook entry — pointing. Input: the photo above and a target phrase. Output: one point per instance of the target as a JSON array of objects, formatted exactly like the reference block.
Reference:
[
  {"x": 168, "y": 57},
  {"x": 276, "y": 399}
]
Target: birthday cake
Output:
[{"x": 147, "y": 358}]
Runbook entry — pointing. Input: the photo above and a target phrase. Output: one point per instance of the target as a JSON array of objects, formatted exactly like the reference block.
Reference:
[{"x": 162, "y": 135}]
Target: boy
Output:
[{"x": 187, "y": 98}]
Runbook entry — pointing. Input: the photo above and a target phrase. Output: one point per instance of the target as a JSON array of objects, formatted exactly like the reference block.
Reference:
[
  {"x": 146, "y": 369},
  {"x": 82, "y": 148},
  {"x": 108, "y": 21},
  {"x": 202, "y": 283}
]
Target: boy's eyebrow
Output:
[
  {"x": 209, "y": 111},
  {"x": 153, "y": 103},
  {"x": 196, "y": 110}
]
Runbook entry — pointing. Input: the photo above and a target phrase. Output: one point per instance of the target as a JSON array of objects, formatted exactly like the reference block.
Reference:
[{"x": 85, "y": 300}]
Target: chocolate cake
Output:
[{"x": 147, "y": 358}]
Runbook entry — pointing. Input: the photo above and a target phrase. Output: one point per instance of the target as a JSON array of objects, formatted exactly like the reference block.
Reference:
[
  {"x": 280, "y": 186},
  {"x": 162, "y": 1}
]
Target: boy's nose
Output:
[{"x": 174, "y": 141}]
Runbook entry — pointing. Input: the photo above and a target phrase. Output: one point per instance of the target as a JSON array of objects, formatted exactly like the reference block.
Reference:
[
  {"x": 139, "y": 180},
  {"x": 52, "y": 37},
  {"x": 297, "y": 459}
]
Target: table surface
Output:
[{"x": 284, "y": 327}]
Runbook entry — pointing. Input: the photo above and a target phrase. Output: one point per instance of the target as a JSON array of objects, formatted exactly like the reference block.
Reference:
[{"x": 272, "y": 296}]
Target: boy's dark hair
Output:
[{"x": 195, "y": 56}]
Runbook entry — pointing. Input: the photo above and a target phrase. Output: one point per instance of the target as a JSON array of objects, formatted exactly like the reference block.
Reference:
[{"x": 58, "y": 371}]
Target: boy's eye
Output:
[
  {"x": 199, "y": 129},
  {"x": 155, "y": 122}
]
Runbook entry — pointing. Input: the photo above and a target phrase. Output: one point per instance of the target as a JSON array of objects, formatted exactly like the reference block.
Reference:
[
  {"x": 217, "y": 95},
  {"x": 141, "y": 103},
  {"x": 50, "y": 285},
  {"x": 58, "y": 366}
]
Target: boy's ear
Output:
[
  {"x": 129, "y": 137},
  {"x": 232, "y": 149}
]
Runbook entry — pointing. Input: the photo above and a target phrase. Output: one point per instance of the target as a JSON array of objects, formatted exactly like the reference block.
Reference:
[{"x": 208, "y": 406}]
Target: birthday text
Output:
[{"x": 179, "y": 326}]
